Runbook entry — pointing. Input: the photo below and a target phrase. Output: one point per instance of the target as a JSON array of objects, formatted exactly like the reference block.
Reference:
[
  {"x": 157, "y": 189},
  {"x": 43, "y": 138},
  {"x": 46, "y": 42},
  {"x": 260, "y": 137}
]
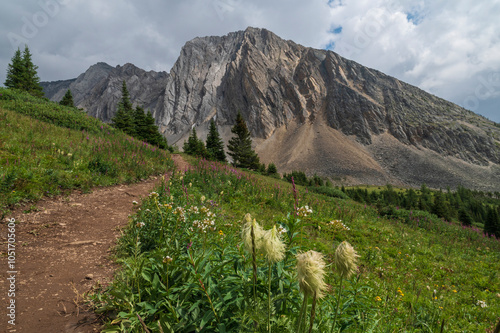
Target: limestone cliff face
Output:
[{"x": 315, "y": 99}]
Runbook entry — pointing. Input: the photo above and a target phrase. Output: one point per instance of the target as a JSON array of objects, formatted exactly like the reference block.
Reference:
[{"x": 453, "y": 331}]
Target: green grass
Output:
[
  {"x": 414, "y": 272},
  {"x": 47, "y": 149}
]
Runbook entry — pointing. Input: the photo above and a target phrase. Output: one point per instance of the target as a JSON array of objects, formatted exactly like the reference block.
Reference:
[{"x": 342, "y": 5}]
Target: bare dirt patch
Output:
[{"x": 63, "y": 249}]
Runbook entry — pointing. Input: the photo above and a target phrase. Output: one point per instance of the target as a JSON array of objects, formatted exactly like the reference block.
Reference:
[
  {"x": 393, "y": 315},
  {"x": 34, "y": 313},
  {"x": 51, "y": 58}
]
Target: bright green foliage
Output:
[
  {"x": 187, "y": 274},
  {"x": 22, "y": 74},
  {"x": 214, "y": 144},
  {"x": 47, "y": 149},
  {"x": 194, "y": 146},
  {"x": 67, "y": 100},
  {"x": 240, "y": 146},
  {"x": 124, "y": 117}
]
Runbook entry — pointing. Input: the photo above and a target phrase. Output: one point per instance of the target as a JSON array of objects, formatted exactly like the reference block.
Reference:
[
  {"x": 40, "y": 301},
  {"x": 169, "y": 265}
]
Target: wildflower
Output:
[
  {"x": 222, "y": 192},
  {"x": 282, "y": 230},
  {"x": 135, "y": 202},
  {"x": 378, "y": 299},
  {"x": 482, "y": 304},
  {"x": 167, "y": 260},
  {"x": 153, "y": 195},
  {"x": 140, "y": 224},
  {"x": 202, "y": 199},
  {"x": 246, "y": 233},
  {"x": 273, "y": 246},
  {"x": 345, "y": 259},
  {"x": 454, "y": 290},
  {"x": 304, "y": 211},
  {"x": 310, "y": 273},
  {"x": 221, "y": 233},
  {"x": 190, "y": 184},
  {"x": 69, "y": 154}
]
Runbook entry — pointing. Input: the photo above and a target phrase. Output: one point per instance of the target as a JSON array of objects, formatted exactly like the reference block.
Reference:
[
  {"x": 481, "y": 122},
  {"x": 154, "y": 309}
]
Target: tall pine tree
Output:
[
  {"x": 124, "y": 118},
  {"x": 22, "y": 74},
  {"x": 215, "y": 146},
  {"x": 240, "y": 146},
  {"x": 67, "y": 100},
  {"x": 15, "y": 71},
  {"x": 31, "y": 81},
  {"x": 194, "y": 146}
]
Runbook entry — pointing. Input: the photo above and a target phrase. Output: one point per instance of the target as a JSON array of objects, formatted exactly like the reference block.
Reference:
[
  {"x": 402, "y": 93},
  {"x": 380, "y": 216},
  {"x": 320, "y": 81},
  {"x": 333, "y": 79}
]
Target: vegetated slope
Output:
[
  {"x": 414, "y": 273},
  {"x": 404, "y": 134},
  {"x": 46, "y": 149}
]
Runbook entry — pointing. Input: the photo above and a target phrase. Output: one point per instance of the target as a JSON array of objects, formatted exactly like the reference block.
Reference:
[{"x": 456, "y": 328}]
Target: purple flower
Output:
[{"x": 189, "y": 245}]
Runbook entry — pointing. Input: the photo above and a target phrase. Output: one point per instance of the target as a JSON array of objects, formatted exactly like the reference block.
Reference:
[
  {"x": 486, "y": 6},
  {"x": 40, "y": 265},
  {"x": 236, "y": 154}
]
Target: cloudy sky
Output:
[{"x": 450, "y": 48}]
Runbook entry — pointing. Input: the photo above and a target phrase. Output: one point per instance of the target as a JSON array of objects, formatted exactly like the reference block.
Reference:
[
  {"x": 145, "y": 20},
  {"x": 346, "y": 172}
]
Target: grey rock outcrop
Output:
[{"x": 307, "y": 109}]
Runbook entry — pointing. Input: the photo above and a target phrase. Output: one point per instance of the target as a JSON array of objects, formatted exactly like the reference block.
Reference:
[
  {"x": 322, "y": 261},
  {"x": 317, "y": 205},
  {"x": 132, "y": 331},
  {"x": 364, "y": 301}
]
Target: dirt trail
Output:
[{"x": 62, "y": 250}]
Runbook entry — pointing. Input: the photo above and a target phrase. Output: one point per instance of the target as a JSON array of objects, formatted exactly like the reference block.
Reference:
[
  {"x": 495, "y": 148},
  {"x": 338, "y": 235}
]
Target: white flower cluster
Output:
[
  {"x": 482, "y": 304},
  {"x": 167, "y": 259},
  {"x": 339, "y": 225},
  {"x": 140, "y": 224},
  {"x": 204, "y": 225},
  {"x": 304, "y": 211},
  {"x": 153, "y": 195},
  {"x": 281, "y": 230}
]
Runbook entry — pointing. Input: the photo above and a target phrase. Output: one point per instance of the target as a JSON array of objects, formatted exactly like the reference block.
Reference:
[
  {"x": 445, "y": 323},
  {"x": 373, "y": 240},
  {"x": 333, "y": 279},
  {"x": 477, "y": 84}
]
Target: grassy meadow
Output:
[
  {"x": 185, "y": 267},
  {"x": 47, "y": 149}
]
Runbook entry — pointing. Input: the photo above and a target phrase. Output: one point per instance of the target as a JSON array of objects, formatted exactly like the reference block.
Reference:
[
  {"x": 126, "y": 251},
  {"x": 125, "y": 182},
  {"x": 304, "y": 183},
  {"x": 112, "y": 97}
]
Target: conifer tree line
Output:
[
  {"x": 470, "y": 207},
  {"x": 22, "y": 73},
  {"x": 136, "y": 122},
  {"x": 240, "y": 146}
]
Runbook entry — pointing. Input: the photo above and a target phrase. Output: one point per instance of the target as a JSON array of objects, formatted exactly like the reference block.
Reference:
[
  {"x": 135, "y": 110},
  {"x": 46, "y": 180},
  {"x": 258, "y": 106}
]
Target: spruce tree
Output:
[
  {"x": 194, "y": 146},
  {"x": 22, "y": 74},
  {"x": 214, "y": 144},
  {"x": 15, "y": 71},
  {"x": 491, "y": 223},
  {"x": 240, "y": 146},
  {"x": 152, "y": 134},
  {"x": 124, "y": 118},
  {"x": 67, "y": 100},
  {"x": 140, "y": 125}
]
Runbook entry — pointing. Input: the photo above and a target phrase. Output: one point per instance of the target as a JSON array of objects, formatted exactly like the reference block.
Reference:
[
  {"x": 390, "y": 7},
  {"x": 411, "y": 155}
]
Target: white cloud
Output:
[{"x": 449, "y": 48}]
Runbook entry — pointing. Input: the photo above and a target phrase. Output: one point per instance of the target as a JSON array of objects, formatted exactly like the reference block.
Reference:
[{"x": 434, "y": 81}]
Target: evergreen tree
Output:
[
  {"x": 214, "y": 144},
  {"x": 492, "y": 222},
  {"x": 31, "y": 81},
  {"x": 464, "y": 217},
  {"x": 140, "y": 125},
  {"x": 271, "y": 169},
  {"x": 22, "y": 74},
  {"x": 152, "y": 134},
  {"x": 124, "y": 118},
  {"x": 67, "y": 100},
  {"x": 194, "y": 146},
  {"x": 240, "y": 146},
  {"x": 15, "y": 71}
]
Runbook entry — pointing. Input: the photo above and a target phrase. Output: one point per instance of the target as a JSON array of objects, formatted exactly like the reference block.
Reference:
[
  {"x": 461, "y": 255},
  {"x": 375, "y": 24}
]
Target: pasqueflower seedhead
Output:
[
  {"x": 311, "y": 273},
  {"x": 345, "y": 259}
]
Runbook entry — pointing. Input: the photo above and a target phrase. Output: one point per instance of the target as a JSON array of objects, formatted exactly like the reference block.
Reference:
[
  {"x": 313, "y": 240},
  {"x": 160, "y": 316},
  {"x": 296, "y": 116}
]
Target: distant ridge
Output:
[{"x": 307, "y": 109}]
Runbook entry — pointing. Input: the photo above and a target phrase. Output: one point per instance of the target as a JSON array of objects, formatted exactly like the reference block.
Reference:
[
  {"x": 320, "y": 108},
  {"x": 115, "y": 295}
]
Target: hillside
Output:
[
  {"x": 347, "y": 122},
  {"x": 47, "y": 149}
]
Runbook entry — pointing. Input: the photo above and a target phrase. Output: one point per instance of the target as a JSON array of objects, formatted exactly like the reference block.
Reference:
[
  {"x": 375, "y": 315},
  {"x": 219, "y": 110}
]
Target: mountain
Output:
[{"x": 307, "y": 109}]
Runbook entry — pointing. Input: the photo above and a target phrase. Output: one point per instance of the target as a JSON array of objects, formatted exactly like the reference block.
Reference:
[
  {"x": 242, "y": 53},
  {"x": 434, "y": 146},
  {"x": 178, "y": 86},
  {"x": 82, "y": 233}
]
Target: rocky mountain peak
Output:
[{"x": 307, "y": 109}]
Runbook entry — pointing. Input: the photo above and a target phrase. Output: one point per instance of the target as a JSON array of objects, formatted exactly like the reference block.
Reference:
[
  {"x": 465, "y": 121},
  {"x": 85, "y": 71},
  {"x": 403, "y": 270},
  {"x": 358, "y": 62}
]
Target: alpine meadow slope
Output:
[{"x": 307, "y": 109}]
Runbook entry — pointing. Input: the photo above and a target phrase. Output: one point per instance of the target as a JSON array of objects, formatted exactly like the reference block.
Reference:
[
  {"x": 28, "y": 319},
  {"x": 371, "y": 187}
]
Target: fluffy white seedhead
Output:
[
  {"x": 273, "y": 246},
  {"x": 345, "y": 259},
  {"x": 311, "y": 273},
  {"x": 246, "y": 234}
]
